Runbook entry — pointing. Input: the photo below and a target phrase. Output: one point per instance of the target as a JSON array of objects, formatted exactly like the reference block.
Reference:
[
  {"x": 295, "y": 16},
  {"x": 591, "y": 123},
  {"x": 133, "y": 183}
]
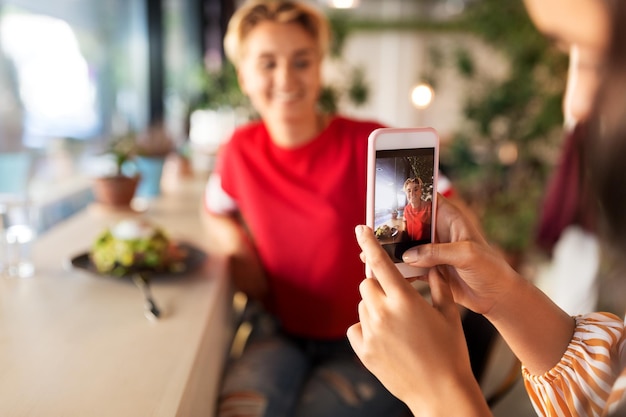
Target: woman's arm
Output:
[
  {"x": 227, "y": 237},
  {"x": 535, "y": 328}
]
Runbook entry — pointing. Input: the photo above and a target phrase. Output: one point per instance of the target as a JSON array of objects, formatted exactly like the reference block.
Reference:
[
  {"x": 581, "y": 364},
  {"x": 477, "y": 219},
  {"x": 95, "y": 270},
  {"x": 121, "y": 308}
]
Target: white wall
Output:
[{"x": 394, "y": 61}]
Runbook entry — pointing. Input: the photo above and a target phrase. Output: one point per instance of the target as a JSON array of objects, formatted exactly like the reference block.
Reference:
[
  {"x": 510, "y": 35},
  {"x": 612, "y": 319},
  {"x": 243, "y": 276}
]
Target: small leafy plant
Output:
[{"x": 122, "y": 150}]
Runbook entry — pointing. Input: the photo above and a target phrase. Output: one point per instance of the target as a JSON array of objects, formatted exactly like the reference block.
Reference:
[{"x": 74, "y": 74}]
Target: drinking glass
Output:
[{"x": 18, "y": 228}]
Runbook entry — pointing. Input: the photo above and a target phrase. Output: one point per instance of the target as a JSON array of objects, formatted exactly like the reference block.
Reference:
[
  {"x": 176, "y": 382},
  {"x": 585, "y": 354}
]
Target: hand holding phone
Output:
[{"x": 402, "y": 169}]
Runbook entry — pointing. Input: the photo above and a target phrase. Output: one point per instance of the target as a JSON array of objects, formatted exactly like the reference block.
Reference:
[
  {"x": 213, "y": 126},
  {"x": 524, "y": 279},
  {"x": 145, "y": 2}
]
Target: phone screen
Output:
[{"x": 403, "y": 199}]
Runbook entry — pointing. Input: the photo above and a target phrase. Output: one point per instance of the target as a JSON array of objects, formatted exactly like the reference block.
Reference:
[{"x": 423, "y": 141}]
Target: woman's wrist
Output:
[
  {"x": 523, "y": 315},
  {"x": 461, "y": 396},
  {"x": 513, "y": 285}
]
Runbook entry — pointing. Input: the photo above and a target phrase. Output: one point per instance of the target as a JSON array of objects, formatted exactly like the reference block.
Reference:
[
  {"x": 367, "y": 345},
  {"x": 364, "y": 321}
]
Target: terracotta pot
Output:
[{"x": 116, "y": 191}]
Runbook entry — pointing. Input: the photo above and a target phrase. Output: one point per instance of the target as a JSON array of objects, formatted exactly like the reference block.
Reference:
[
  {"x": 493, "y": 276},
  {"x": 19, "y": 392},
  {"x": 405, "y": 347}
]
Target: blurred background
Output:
[{"x": 78, "y": 75}]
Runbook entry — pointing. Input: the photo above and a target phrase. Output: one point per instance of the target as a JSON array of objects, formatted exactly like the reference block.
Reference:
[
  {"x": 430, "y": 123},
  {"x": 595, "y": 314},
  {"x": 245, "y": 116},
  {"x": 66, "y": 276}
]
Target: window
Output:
[
  {"x": 71, "y": 75},
  {"x": 80, "y": 69}
]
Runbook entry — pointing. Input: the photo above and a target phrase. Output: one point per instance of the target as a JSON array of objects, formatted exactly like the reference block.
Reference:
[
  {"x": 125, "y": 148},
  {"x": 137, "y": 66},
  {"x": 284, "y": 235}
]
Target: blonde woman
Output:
[{"x": 282, "y": 204}]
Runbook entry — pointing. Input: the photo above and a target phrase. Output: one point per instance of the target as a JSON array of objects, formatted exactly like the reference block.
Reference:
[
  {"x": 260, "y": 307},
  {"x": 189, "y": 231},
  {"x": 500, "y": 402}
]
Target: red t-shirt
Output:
[
  {"x": 301, "y": 206},
  {"x": 418, "y": 221}
]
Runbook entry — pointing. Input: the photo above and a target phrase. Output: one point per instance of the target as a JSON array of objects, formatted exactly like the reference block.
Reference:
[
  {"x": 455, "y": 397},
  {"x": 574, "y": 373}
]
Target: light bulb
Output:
[
  {"x": 422, "y": 95},
  {"x": 343, "y": 4}
]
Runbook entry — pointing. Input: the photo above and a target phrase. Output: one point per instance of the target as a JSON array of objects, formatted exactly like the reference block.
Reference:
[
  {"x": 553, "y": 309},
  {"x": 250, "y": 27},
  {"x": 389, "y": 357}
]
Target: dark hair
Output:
[{"x": 607, "y": 149}]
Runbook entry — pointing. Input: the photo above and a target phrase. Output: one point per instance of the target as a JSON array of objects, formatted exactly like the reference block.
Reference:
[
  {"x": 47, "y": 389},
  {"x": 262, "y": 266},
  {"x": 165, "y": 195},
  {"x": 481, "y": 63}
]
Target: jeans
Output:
[{"x": 279, "y": 375}]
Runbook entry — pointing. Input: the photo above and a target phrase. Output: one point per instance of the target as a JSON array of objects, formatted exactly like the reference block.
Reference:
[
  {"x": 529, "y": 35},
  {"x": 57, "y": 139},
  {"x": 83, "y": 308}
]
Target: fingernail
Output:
[
  {"x": 358, "y": 230},
  {"x": 410, "y": 256}
]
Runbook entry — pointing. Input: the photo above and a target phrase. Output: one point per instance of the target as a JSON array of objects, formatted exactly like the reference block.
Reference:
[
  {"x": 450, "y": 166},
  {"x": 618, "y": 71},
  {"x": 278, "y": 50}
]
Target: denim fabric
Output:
[{"x": 283, "y": 376}]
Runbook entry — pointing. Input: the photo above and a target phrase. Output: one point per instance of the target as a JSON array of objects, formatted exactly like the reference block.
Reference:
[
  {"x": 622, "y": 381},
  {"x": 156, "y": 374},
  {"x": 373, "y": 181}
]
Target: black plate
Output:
[{"x": 195, "y": 257}]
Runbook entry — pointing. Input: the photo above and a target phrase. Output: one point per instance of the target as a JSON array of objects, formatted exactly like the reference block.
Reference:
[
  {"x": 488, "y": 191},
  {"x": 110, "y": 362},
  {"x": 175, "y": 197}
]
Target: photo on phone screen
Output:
[{"x": 403, "y": 204}]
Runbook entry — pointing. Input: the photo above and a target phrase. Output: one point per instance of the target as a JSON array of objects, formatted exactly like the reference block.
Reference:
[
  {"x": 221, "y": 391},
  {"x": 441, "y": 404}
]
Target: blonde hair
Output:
[
  {"x": 253, "y": 12},
  {"x": 410, "y": 181}
]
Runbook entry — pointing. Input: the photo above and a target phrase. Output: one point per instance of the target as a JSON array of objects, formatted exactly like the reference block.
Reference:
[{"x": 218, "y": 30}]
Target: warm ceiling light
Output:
[
  {"x": 343, "y": 4},
  {"x": 422, "y": 95}
]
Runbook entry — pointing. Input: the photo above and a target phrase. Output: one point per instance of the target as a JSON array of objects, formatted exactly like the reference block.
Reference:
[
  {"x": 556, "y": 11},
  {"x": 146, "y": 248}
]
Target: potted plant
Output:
[{"x": 117, "y": 189}]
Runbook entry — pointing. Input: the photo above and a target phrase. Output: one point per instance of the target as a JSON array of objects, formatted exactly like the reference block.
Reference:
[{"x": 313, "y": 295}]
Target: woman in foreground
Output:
[{"x": 571, "y": 366}]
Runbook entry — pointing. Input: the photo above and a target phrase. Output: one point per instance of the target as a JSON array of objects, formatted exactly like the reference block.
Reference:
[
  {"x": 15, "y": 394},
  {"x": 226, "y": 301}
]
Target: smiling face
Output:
[
  {"x": 413, "y": 192},
  {"x": 280, "y": 71},
  {"x": 582, "y": 28}
]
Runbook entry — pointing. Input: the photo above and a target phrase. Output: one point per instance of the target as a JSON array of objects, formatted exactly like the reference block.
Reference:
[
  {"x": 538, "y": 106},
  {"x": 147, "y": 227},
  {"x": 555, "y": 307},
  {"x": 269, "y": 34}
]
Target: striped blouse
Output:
[{"x": 590, "y": 379}]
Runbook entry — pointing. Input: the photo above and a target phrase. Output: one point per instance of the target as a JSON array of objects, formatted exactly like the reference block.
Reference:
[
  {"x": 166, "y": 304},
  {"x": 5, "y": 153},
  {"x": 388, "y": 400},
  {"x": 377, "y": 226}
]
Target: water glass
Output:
[{"x": 18, "y": 228}]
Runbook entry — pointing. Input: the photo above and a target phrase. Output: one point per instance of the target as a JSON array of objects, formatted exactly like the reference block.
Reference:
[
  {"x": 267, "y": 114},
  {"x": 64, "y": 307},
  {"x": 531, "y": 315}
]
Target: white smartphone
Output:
[{"x": 402, "y": 169}]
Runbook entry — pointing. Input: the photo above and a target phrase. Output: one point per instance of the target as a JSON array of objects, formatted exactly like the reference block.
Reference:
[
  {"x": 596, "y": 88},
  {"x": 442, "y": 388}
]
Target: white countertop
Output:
[{"x": 76, "y": 344}]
